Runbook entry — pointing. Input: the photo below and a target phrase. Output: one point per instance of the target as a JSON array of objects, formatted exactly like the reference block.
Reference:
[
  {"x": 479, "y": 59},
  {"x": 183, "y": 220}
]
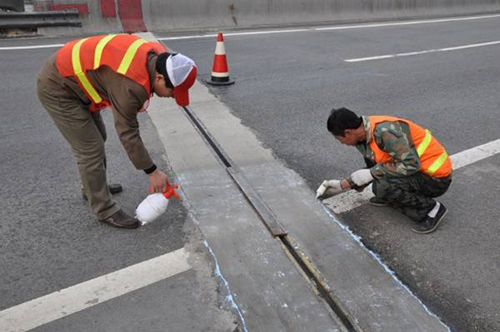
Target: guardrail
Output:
[
  {"x": 15, "y": 5},
  {"x": 69, "y": 18}
]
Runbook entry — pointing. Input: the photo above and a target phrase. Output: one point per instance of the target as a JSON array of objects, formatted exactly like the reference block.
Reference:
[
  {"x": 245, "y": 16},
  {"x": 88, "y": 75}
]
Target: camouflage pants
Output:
[{"x": 411, "y": 195}]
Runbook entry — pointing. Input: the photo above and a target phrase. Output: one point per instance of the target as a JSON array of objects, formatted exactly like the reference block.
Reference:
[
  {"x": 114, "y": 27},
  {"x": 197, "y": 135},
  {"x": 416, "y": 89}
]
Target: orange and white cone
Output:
[{"x": 220, "y": 71}]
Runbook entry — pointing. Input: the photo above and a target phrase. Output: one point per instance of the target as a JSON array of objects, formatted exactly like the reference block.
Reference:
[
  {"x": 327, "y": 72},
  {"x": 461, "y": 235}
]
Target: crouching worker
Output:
[
  {"x": 120, "y": 72},
  {"x": 405, "y": 162}
]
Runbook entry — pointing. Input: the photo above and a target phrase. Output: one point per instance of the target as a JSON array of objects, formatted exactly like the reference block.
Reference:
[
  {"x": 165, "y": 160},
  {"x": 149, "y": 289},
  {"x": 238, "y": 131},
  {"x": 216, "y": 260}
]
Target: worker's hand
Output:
[
  {"x": 158, "y": 182},
  {"x": 361, "y": 177},
  {"x": 328, "y": 189}
]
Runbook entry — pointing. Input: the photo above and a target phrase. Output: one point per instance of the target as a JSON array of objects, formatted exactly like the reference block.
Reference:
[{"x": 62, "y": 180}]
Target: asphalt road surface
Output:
[{"x": 286, "y": 84}]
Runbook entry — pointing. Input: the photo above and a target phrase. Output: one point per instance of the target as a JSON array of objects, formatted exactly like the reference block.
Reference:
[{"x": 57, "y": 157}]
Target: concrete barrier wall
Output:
[
  {"x": 182, "y": 15},
  {"x": 161, "y": 15}
]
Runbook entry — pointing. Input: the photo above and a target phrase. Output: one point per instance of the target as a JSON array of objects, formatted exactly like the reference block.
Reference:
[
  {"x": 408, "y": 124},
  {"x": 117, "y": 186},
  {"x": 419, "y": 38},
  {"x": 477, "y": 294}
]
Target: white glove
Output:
[
  {"x": 362, "y": 177},
  {"x": 328, "y": 189}
]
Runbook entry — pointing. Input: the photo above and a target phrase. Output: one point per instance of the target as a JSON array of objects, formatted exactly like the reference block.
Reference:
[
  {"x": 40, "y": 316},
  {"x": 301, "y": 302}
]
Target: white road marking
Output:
[
  {"x": 267, "y": 32},
  {"x": 352, "y": 199},
  {"x": 476, "y": 154},
  {"x": 340, "y": 27},
  {"x": 45, "y": 309},
  {"x": 378, "y": 25},
  {"x": 388, "y": 56},
  {"x": 10, "y": 48},
  {"x": 249, "y": 33}
]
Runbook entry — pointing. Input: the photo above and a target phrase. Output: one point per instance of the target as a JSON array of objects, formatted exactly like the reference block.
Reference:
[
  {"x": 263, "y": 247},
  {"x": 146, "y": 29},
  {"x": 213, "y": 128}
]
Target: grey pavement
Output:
[
  {"x": 285, "y": 86},
  {"x": 455, "y": 270},
  {"x": 287, "y": 83}
]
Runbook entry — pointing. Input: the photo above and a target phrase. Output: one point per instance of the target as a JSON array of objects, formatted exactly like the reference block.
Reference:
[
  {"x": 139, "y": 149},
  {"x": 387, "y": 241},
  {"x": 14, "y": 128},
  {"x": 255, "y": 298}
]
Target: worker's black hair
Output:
[
  {"x": 161, "y": 68},
  {"x": 342, "y": 119}
]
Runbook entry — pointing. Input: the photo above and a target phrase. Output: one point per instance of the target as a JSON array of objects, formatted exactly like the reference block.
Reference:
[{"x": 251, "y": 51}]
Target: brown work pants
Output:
[{"x": 85, "y": 133}]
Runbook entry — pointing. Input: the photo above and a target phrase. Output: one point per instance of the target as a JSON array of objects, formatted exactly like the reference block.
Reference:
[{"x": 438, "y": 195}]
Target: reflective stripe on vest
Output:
[
  {"x": 423, "y": 147},
  {"x": 80, "y": 75},
  {"x": 129, "y": 56},
  {"x": 122, "y": 69},
  {"x": 99, "y": 48}
]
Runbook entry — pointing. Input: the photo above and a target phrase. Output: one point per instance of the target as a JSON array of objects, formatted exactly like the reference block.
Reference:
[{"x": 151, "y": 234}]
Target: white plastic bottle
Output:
[{"x": 155, "y": 205}]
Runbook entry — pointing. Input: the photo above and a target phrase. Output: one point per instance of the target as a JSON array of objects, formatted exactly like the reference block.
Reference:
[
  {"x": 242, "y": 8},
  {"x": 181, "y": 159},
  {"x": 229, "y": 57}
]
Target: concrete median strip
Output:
[
  {"x": 269, "y": 291},
  {"x": 45, "y": 309}
]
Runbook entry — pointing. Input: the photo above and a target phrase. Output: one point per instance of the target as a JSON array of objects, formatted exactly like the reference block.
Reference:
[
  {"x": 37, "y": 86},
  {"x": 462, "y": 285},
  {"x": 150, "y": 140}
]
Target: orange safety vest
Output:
[
  {"x": 125, "y": 54},
  {"x": 434, "y": 160}
]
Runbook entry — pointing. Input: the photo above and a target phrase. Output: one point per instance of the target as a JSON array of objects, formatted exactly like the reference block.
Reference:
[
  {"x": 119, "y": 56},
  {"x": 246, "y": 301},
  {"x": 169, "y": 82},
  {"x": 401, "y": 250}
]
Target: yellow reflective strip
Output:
[
  {"x": 77, "y": 67},
  {"x": 99, "y": 48},
  {"x": 438, "y": 163},
  {"x": 129, "y": 56},
  {"x": 425, "y": 143},
  {"x": 75, "y": 57},
  {"x": 96, "y": 98}
]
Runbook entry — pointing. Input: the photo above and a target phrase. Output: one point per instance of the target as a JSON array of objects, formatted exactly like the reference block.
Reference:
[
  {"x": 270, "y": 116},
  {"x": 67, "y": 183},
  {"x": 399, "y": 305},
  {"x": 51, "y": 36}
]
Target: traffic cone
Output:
[{"x": 220, "y": 71}]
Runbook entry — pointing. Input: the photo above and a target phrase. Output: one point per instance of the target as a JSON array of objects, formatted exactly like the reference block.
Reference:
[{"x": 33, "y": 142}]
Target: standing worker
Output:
[
  {"x": 121, "y": 72},
  {"x": 406, "y": 163}
]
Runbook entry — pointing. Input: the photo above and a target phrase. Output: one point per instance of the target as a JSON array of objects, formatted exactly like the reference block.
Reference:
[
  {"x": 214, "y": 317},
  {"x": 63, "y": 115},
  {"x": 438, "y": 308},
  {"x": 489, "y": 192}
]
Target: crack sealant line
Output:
[
  {"x": 208, "y": 137},
  {"x": 381, "y": 262},
  {"x": 320, "y": 287},
  {"x": 229, "y": 297},
  {"x": 266, "y": 215}
]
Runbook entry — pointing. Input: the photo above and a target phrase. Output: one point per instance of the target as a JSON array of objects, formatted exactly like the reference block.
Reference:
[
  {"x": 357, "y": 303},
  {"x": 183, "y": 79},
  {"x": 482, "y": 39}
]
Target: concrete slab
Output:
[
  {"x": 269, "y": 293},
  {"x": 372, "y": 298}
]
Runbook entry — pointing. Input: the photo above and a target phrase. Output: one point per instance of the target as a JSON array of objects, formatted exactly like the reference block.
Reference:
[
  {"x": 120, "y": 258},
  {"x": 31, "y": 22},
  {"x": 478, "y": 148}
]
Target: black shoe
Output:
[
  {"x": 429, "y": 224},
  {"x": 375, "y": 201},
  {"x": 114, "y": 188},
  {"x": 122, "y": 220}
]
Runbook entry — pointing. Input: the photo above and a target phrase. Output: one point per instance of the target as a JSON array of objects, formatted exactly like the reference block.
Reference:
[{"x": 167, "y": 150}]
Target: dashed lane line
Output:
[
  {"x": 352, "y": 199},
  {"x": 446, "y": 49},
  {"x": 31, "y": 47},
  {"x": 45, "y": 309}
]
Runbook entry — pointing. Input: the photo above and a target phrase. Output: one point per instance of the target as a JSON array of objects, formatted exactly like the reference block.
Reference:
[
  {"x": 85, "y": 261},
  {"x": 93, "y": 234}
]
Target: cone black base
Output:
[{"x": 220, "y": 81}]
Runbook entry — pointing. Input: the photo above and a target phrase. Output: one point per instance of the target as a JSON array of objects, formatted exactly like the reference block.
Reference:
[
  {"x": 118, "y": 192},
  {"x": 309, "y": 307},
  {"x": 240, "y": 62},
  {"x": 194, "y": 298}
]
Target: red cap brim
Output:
[
  {"x": 181, "y": 92},
  {"x": 181, "y": 97}
]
